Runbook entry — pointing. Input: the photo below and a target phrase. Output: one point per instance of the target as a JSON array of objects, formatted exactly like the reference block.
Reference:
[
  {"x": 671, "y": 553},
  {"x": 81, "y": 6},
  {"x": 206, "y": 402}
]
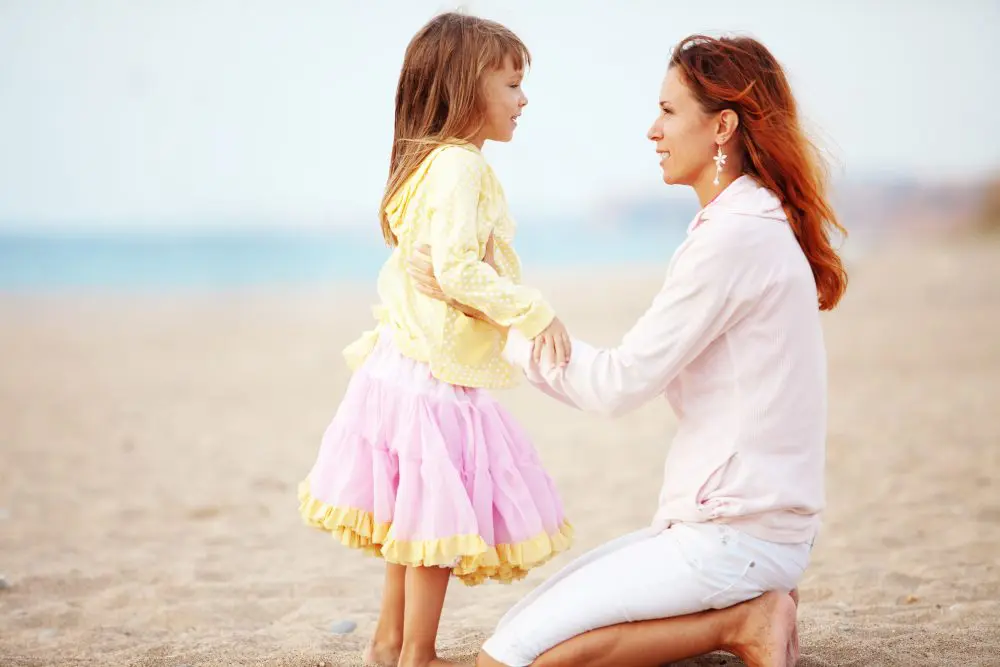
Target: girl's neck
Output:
[{"x": 477, "y": 139}]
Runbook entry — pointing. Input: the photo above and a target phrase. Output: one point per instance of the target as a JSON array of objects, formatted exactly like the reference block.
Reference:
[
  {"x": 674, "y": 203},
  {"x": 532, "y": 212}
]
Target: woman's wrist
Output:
[{"x": 474, "y": 314}]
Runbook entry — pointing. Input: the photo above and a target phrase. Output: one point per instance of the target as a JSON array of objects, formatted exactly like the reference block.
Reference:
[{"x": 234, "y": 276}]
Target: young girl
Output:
[{"x": 420, "y": 466}]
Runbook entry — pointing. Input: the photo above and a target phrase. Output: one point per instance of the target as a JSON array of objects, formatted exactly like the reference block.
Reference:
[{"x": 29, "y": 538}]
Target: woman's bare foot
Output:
[
  {"x": 764, "y": 638},
  {"x": 380, "y": 654}
]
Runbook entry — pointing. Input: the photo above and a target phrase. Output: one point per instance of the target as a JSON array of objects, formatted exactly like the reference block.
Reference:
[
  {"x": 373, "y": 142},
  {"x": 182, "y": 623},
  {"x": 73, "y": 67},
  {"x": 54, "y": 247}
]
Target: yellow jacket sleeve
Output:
[{"x": 455, "y": 182}]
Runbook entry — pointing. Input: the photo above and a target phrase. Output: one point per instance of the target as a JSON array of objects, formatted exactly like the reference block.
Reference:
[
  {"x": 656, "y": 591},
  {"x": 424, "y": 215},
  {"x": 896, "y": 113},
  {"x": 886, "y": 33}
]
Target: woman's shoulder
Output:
[
  {"x": 736, "y": 245},
  {"x": 737, "y": 231}
]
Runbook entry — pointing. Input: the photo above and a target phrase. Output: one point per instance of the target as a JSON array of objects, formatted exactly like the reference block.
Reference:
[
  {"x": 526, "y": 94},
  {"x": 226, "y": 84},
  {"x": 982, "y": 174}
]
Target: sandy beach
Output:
[{"x": 150, "y": 449}]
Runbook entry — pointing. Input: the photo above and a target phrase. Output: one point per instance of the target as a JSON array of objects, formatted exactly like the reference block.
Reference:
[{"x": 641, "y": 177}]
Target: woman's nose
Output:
[{"x": 654, "y": 133}]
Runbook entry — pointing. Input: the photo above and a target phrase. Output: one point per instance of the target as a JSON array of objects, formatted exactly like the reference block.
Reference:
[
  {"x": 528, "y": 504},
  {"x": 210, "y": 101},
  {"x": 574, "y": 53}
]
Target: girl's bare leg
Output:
[
  {"x": 384, "y": 648},
  {"x": 425, "y": 590}
]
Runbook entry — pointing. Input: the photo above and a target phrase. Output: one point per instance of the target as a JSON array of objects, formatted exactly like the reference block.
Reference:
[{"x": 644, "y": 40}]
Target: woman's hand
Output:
[
  {"x": 421, "y": 270},
  {"x": 488, "y": 256}
]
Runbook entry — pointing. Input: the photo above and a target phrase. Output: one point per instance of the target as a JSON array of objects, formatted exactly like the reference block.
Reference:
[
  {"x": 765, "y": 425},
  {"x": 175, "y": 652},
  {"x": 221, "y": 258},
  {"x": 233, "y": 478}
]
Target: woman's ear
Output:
[{"x": 729, "y": 121}]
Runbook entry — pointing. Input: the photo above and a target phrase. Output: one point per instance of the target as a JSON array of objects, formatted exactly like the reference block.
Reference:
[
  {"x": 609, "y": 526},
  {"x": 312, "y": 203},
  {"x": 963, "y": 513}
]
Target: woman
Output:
[{"x": 733, "y": 340}]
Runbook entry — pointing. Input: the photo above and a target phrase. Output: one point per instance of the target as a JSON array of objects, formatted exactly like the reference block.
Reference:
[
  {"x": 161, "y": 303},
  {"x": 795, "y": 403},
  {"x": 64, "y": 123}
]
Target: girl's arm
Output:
[
  {"x": 456, "y": 181},
  {"x": 422, "y": 271},
  {"x": 698, "y": 301}
]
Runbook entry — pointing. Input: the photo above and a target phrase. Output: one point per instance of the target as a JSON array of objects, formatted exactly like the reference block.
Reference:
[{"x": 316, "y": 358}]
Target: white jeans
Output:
[{"x": 650, "y": 574}]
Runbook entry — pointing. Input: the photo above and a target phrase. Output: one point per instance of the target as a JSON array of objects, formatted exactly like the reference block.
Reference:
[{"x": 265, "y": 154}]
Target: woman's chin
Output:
[{"x": 673, "y": 178}]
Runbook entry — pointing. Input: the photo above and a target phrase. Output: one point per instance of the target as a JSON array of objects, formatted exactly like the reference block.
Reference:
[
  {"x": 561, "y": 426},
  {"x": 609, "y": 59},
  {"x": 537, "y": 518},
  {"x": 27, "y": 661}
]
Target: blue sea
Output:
[{"x": 161, "y": 261}]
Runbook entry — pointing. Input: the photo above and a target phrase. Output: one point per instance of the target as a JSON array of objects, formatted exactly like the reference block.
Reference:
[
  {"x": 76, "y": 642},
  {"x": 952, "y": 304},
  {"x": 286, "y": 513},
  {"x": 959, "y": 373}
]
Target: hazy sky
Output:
[{"x": 143, "y": 113}]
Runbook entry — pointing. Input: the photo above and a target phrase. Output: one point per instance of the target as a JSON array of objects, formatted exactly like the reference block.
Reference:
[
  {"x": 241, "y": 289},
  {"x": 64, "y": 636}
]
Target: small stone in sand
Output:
[
  {"x": 4, "y": 584},
  {"x": 47, "y": 633},
  {"x": 342, "y": 627}
]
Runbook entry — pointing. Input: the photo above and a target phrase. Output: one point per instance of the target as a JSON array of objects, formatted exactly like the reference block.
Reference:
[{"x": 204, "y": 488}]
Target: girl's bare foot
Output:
[
  {"x": 764, "y": 638},
  {"x": 425, "y": 661},
  {"x": 380, "y": 654},
  {"x": 387, "y": 641}
]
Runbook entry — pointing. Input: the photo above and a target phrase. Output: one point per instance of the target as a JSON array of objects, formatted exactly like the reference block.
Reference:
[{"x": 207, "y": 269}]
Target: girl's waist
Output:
[{"x": 458, "y": 357}]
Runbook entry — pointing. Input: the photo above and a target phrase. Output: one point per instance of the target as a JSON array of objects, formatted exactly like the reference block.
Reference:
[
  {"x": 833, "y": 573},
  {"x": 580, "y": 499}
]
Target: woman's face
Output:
[{"x": 684, "y": 134}]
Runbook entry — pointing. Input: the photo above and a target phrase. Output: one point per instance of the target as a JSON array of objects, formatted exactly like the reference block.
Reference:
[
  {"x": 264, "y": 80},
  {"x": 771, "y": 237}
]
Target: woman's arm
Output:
[
  {"x": 421, "y": 269},
  {"x": 699, "y": 300}
]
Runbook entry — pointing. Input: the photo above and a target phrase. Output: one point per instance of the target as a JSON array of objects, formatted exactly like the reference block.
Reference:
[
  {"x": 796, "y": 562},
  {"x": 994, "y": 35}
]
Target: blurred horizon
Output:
[
  {"x": 245, "y": 142},
  {"x": 261, "y": 115}
]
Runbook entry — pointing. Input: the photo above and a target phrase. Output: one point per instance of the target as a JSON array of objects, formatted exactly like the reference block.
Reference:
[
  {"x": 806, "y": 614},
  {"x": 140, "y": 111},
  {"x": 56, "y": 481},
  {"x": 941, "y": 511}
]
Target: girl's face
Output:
[{"x": 503, "y": 100}]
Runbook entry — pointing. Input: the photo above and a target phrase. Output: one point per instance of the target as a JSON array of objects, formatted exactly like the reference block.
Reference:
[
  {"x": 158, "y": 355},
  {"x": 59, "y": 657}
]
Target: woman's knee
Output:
[
  {"x": 577, "y": 651},
  {"x": 485, "y": 660}
]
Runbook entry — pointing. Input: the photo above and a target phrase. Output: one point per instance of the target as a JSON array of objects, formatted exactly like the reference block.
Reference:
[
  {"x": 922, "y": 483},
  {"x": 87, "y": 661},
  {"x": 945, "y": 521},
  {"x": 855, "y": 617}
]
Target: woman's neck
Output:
[{"x": 705, "y": 187}]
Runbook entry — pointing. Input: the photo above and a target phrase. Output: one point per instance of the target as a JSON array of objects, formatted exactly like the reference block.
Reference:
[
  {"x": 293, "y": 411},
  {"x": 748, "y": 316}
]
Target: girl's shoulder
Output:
[
  {"x": 456, "y": 155},
  {"x": 458, "y": 165}
]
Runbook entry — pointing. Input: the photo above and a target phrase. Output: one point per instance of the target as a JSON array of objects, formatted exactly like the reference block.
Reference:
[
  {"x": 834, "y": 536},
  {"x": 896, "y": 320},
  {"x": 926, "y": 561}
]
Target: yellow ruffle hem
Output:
[{"x": 471, "y": 559}]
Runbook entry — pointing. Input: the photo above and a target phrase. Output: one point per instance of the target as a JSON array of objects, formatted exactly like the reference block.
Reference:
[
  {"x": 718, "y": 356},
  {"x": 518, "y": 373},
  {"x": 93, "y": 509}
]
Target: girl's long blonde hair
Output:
[{"x": 438, "y": 97}]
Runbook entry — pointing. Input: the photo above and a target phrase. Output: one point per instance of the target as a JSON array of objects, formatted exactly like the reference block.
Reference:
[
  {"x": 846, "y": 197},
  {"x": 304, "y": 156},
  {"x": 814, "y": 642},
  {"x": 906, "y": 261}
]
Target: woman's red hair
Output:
[{"x": 740, "y": 74}]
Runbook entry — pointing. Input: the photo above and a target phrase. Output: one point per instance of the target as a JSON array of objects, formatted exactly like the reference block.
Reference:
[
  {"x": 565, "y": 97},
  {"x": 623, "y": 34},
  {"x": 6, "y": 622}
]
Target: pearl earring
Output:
[{"x": 720, "y": 159}]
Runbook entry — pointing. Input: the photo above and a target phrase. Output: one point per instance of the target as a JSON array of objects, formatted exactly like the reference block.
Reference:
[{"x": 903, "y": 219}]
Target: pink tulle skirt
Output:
[{"x": 424, "y": 473}]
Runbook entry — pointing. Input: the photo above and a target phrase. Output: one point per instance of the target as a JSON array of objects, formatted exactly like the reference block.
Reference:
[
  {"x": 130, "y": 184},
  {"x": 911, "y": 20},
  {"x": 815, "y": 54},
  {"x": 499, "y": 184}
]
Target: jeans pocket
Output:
[{"x": 736, "y": 588}]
